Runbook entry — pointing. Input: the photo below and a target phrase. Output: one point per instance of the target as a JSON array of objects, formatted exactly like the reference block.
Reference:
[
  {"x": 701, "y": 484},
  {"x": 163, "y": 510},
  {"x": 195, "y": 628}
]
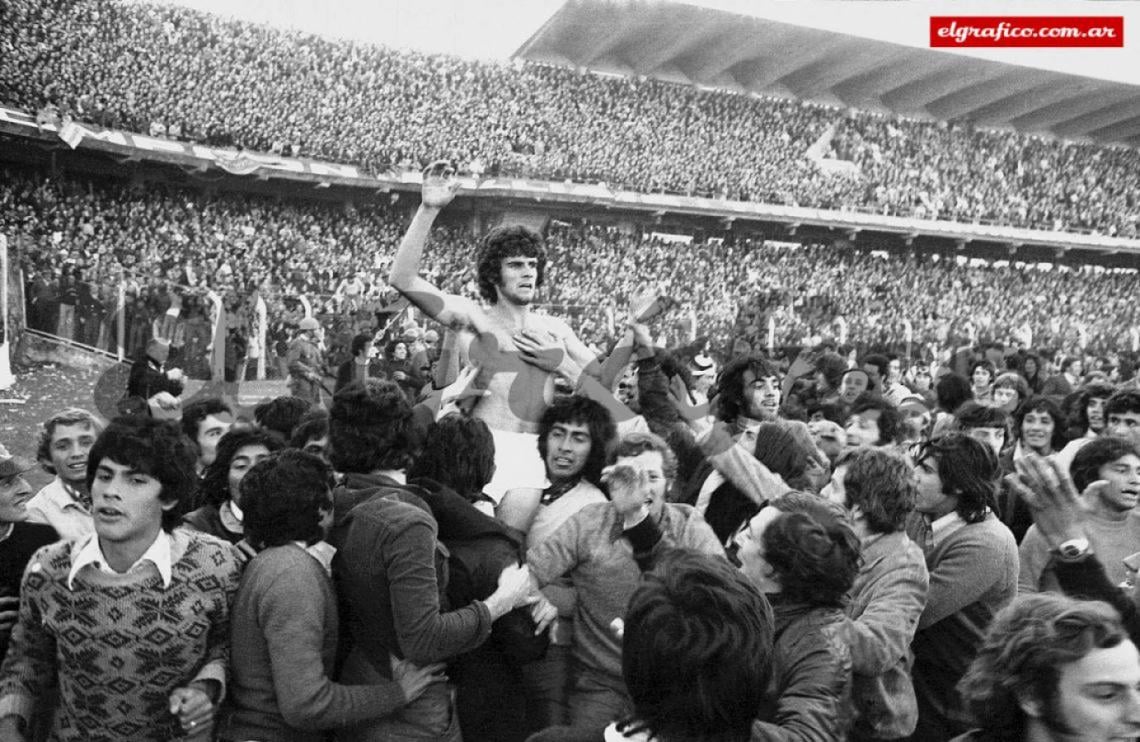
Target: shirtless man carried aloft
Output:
[{"x": 518, "y": 351}]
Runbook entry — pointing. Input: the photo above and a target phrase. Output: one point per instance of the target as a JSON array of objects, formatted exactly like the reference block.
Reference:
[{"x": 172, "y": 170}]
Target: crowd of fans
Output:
[
  {"x": 185, "y": 74},
  {"x": 830, "y": 553},
  {"x": 169, "y": 248}
]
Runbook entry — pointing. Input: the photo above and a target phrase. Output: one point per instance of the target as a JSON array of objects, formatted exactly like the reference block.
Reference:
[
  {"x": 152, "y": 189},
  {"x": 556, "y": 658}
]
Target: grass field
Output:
[{"x": 44, "y": 389}]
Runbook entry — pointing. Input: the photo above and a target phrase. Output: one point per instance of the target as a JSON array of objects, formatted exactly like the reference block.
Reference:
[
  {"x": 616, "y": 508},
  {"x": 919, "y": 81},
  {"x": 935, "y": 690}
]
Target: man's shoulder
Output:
[
  {"x": 35, "y": 534},
  {"x": 52, "y": 562},
  {"x": 988, "y": 533},
  {"x": 50, "y": 492},
  {"x": 287, "y": 560},
  {"x": 684, "y": 514},
  {"x": 196, "y": 551},
  {"x": 594, "y": 511},
  {"x": 892, "y": 550},
  {"x": 390, "y": 505},
  {"x": 553, "y": 324}
]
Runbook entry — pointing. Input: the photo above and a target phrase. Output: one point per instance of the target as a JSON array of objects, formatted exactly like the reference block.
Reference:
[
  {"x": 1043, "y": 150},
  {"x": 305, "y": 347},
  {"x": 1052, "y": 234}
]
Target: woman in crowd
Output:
[
  {"x": 801, "y": 552},
  {"x": 398, "y": 366},
  {"x": 221, "y": 513},
  {"x": 1031, "y": 370},
  {"x": 982, "y": 376},
  {"x": 284, "y": 625}
]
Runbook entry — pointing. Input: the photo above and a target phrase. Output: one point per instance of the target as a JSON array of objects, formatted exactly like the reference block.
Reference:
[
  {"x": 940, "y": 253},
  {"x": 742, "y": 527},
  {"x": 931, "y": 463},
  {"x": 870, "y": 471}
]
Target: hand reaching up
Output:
[{"x": 439, "y": 184}]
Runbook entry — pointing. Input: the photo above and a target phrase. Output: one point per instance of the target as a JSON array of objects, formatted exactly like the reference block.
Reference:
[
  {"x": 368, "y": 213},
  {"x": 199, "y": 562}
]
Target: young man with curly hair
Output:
[
  {"x": 1054, "y": 669},
  {"x": 972, "y": 560}
]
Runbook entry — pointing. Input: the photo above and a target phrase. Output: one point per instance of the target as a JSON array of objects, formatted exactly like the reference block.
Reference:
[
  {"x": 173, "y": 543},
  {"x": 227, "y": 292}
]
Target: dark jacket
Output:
[
  {"x": 490, "y": 699},
  {"x": 809, "y": 696},
  {"x": 390, "y": 572},
  {"x": 15, "y": 551},
  {"x": 1087, "y": 580},
  {"x": 147, "y": 380}
]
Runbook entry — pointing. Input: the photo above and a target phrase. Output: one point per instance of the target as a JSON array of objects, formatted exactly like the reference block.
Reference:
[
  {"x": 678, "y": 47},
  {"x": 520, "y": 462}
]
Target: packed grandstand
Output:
[{"x": 185, "y": 75}]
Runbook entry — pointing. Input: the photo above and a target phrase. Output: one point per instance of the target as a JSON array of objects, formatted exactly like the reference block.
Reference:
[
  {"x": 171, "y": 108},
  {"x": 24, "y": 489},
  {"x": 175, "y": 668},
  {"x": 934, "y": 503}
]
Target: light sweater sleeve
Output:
[
  {"x": 291, "y": 611},
  {"x": 557, "y": 554},
  {"x": 881, "y": 635},
  {"x": 1033, "y": 556},
  {"x": 755, "y": 480},
  {"x": 966, "y": 571}
]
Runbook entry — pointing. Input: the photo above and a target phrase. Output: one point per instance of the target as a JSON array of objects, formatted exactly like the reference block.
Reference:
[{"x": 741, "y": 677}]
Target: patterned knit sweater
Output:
[{"x": 119, "y": 643}]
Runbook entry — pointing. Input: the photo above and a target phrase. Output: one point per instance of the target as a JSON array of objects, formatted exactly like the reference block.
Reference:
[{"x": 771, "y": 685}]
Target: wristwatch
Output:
[{"x": 1074, "y": 548}]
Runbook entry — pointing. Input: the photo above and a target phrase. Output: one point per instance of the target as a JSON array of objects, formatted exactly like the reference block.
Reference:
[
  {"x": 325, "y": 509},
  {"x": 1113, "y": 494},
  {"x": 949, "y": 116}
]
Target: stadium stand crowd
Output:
[
  {"x": 78, "y": 235},
  {"x": 184, "y": 74}
]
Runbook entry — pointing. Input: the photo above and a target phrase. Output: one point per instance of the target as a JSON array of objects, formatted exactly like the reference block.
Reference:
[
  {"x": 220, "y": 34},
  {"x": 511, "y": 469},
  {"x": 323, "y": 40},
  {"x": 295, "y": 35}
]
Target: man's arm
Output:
[
  {"x": 881, "y": 635},
  {"x": 747, "y": 473},
  {"x": 451, "y": 349},
  {"x": 453, "y": 311}
]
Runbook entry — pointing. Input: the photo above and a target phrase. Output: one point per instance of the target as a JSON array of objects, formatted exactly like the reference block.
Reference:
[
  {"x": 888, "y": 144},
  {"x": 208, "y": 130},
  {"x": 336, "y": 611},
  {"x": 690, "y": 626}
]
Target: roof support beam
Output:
[
  {"x": 1111, "y": 113},
  {"x": 953, "y": 77},
  {"x": 967, "y": 101},
  {"x": 1047, "y": 116}
]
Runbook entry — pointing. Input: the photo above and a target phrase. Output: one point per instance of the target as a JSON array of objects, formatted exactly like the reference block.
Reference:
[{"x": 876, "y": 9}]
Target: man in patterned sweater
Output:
[{"x": 133, "y": 621}]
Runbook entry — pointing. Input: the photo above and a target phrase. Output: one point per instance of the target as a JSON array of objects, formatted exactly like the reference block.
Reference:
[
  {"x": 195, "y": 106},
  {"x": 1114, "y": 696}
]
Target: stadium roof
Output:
[{"x": 742, "y": 52}]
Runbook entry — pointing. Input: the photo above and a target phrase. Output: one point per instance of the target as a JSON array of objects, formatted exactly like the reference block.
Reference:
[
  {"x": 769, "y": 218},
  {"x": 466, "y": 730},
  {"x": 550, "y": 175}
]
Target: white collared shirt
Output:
[
  {"x": 399, "y": 476},
  {"x": 90, "y": 554},
  {"x": 322, "y": 551},
  {"x": 56, "y": 506}
]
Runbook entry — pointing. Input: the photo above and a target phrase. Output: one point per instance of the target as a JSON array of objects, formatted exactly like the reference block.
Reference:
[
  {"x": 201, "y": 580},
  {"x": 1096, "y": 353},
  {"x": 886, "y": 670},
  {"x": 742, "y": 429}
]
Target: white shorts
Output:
[{"x": 517, "y": 464}]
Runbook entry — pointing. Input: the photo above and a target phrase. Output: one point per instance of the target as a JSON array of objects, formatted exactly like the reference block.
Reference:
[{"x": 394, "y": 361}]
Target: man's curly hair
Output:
[
  {"x": 507, "y": 242},
  {"x": 1022, "y": 656},
  {"x": 369, "y": 427}
]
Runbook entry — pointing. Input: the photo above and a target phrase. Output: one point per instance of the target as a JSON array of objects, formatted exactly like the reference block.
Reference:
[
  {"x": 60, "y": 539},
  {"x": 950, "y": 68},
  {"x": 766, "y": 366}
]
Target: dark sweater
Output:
[
  {"x": 973, "y": 575},
  {"x": 284, "y": 635},
  {"x": 15, "y": 551}
]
